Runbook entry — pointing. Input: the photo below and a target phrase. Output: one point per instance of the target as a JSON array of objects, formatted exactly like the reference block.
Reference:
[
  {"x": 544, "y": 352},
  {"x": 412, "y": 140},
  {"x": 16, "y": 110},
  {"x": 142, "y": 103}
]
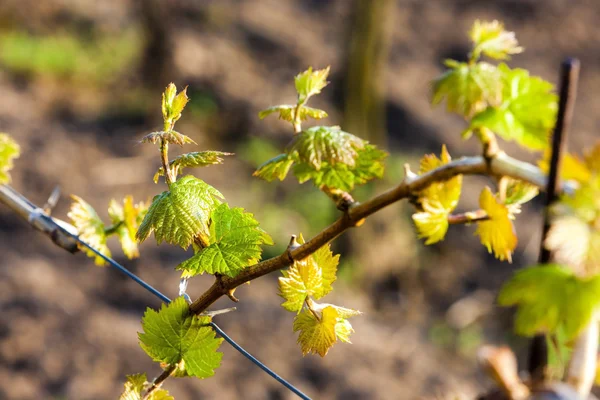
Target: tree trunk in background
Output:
[
  {"x": 364, "y": 109},
  {"x": 156, "y": 68}
]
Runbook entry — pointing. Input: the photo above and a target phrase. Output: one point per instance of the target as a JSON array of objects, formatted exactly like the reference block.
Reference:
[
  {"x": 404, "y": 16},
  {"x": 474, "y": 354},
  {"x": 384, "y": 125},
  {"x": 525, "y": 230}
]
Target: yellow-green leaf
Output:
[
  {"x": 318, "y": 333},
  {"x": 497, "y": 233},
  {"x": 136, "y": 384},
  {"x": 90, "y": 228},
  {"x": 432, "y": 222},
  {"x": 287, "y": 112},
  {"x": 328, "y": 264},
  {"x": 491, "y": 39},
  {"x": 276, "y": 168},
  {"x": 173, "y": 104},
  {"x": 9, "y": 150},
  {"x": 309, "y": 83},
  {"x": 467, "y": 88},
  {"x": 549, "y": 298},
  {"x": 304, "y": 278},
  {"x": 127, "y": 219},
  {"x": 169, "y": 136},
  {"x": 193, "y": 159},
  {"x": 180, "y": 215},
  {"x": 572, "y": 167}
]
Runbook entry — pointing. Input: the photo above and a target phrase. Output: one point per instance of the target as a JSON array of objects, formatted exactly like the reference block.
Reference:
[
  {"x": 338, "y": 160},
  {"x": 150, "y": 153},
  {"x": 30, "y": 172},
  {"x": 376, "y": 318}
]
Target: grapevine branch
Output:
[{"x": 498, "y": 164}]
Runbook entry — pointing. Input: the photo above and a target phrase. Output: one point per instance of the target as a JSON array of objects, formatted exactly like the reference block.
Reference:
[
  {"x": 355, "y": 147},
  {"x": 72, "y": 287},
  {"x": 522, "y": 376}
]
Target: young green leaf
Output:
[
  {"x": 304, "y": 278},
  {"x": 90, "y": 228},
  {"x": 194, "y": 159},
  {"x": 518, "y": 193},
  {"x": 287, "y": 112},
  {"x": 309, "y": 83},
  {"x": 170, "y": 136},
  {"x": 497, "y": 233},
  {"x": 491, "y": 39},
  {"x": 276, "y": 168},
  {"x": 234, "y": 243},
  {"x": 135, "y": 385},
  {"x": 172, "y": 105},
  {"x": 432, "y": 222},
  {"x": 527, "y": 113},
  {"x": 368, "y": 165},
  {"x": 9, "y": 150},
  {"x": 467, "y": 88},
  {"x": 328, "y": 264},
  {"x": 549, "y": 298},
  {"x": 172, "y": 335},
  {"x": 319, "y": 330},
  {"x": 180, "y": 215},
  {"x": 127, "y": 219},
  {"x": 326, "y": 144}
]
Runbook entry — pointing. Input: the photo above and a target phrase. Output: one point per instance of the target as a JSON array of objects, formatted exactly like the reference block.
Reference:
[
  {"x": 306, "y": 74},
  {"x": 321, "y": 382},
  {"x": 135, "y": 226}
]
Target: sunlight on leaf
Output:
[
  {"x": 193, "y": 159},
  {"x": 136, "y": 384},
  {"x": 287, "y": 112},
  {"x": 127, "y": 218},
  {"x": 173, "y": 334},
  {"x": 491, "y": 39},
  {"x": 309, "y": 83},
  {"x": 276, "y": 168},
  {"x": 549, "y": 298},
  {"x": 180, "y": 215},
  {"x": 234, "y": 243},
  {"x": 9, "y": 150},
  {"x": 496, "y": 234},
  {"x": 90, "y": 228}
]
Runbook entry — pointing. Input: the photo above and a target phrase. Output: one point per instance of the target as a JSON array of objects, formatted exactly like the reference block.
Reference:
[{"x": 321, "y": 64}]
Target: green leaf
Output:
[
  {"x": 309, "y": 83},
  {"x": 173, "y": 104},
  {"x": 172, "y": 335},
  {"x": 276, "y": 168},
  {"x": 169, "y": 136},
  {"x": 432, "y": 222},
  {"x": 304, "y": 278},
  {"x": 468, "y": 89},
  {"x": 328, "y": 264},
  {"x": 9, "y": 150},
  {"x": 180, "y": 215},
  {"x": 549, "y": 298},
  {"x": 318, "y": 333},
  {"x": 491, "y": 39},
  {"x": 136, "y": 384},
  {"x": 235, "y": 243},
  {"x": 90, "y": 229},
  {"x": 326, "y": 144},
  {"x": 527, "y": 113},
  {"x": 367, "y": 166},
  {"x": 194, "y": 159},
  {"x": 287, "y": 112}
]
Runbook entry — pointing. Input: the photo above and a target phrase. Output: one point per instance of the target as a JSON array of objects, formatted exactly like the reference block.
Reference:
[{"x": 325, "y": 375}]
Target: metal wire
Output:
[{"x": 164, "y": 298}]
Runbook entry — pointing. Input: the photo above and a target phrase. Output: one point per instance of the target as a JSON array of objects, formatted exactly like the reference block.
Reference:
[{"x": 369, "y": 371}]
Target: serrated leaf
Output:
[
  {"x": 368, "y": 165},
  {"x": 518, "y": 193},
  {"x": 309, "y": 83},
  {"x": 90, "y": 229},
  {"x": 304, "y": 278},
  {"x": 328, "y": 264},
  {"x": 432, "y": 222},
  {"x": 287, "y": 112},
  {"x": 172, "y": 335},
  {"x": 234, "y": 243},
  {"x": 326, "y": 144},
  {"x": 497, "y": 233},
  {"x": 318, "y": 335},
  {"x": 437, "y": 201},
  {"x": 276, "y": 168},
  {"x": 180, "y": 215},
  {"x": 550, "y": 297},
  {"x": 527, "y": 113},
  {"x": 127, "y": 219},
  {"x": 193, "y": 159},
  {"x": 169, "y": 136},
  {"x": 491, "y": 39},
  {"x": 135, "y": 385},
  {"x": 467, "y": 89},
  {"x": 9, "y": 150},
  {"x": 173, "y": 104}
]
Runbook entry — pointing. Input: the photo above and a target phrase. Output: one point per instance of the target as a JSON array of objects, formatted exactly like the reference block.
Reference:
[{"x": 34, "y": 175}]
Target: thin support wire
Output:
[{"x": 36, "y": 217}]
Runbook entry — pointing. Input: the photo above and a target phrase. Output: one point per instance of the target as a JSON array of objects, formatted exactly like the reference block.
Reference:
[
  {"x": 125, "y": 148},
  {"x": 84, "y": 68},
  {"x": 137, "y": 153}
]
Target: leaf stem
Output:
[
  {"x": 113, "y": 228},
  {"x": 164, "y": 156},
  {"x": 297, "y": 122}
]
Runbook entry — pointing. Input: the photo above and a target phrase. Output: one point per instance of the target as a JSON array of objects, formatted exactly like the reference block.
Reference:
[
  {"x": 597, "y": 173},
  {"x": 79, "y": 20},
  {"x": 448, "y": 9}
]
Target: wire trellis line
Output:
[{"x": 59, "y": 232}]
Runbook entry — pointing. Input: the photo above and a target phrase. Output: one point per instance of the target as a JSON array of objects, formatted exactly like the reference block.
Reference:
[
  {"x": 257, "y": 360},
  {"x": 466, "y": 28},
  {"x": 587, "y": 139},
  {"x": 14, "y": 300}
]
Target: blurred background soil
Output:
[{"x": 80, "y": 84}]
